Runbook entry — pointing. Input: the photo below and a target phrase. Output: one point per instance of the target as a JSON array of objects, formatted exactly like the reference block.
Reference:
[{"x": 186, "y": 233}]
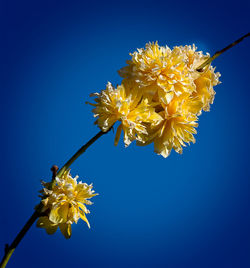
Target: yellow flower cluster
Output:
[
  {"x": 160, "y": 98},
  {"x": 64, "y": 204}
]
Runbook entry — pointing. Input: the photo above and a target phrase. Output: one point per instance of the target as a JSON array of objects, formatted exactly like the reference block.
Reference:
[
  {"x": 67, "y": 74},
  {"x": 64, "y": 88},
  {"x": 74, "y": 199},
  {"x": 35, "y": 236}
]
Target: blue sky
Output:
[{"x": 189, "y": 210}]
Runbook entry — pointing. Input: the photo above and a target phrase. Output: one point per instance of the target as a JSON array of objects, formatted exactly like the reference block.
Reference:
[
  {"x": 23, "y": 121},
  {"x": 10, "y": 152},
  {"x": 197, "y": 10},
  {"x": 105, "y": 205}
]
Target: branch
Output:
[{"x": 218, "y": 53}]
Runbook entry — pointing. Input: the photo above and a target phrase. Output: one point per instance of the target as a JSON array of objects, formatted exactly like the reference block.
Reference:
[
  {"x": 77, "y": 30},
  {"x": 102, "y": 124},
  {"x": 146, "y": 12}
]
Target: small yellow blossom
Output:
[
  {"x": 205, "y": 80},
  {"x": 127, "y": 105},
  {"x": 177, "y": 128},
  {"x": 64, "y": 204},
  {"x": 204, "y": 87}
]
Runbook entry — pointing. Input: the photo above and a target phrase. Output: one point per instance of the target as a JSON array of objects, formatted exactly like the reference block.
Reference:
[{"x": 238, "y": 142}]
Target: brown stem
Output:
[
  {"x": 10, "y": 249},
  {"x": 218, "y": 53},
  {"x": 81, "y": 151},
  {"x": 54, "y": 170}
]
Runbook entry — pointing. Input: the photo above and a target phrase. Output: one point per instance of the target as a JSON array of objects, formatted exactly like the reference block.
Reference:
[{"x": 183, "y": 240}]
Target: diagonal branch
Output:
[{"x": 218, "y": 53}]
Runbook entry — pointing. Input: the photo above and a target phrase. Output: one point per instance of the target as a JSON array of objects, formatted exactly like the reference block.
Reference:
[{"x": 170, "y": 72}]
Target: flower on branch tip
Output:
[
  {"x": 64, "y": 204},
  {"x": 157, "y": 68},
  {"x": 160, "y": 98}
]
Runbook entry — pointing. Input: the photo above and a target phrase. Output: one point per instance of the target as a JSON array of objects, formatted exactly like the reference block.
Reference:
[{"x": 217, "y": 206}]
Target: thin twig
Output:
[
  {"x": 218, "y": 53},
  {"x": 10, "y": 249},
  {"x": 80, "y": 152}
]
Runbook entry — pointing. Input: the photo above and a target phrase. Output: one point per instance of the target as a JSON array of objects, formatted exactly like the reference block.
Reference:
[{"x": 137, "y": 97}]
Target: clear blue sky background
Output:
[{"x": 189, "y": 210}]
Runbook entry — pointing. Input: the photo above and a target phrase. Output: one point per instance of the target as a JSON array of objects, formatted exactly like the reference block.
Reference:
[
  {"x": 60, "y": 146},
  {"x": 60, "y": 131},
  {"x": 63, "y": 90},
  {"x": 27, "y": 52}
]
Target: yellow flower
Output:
[
  {"x": 127, "y": 105},
  {"x": 204, "y": 81},
  {"x": 204, "y": 87},
  {"x": 157, "y": 67},
  {"x": 64, "y": 204},
  {"x": 161, "y": 96},
  {"x": 177, "y": 128}
]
